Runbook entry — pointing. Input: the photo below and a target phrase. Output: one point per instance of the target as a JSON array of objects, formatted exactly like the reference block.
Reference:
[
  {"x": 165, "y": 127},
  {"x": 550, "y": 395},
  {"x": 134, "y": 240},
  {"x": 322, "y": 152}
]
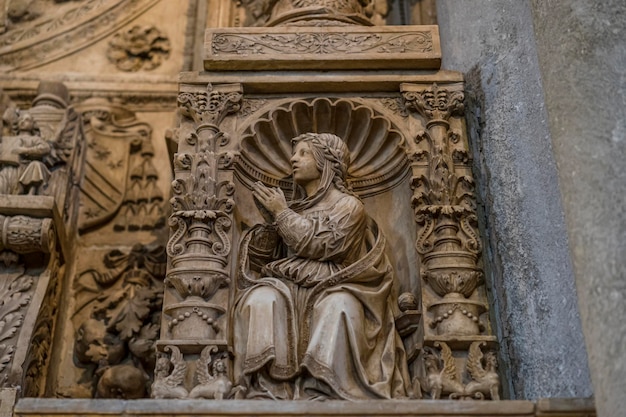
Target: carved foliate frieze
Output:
[
  {"x": 321, "y": 43},
  {"x": 138, "y": 48},
  {"x": 336, "y": 47},
  {"x": 40, "y": 351},
  {"x": 117, "y": 315}
]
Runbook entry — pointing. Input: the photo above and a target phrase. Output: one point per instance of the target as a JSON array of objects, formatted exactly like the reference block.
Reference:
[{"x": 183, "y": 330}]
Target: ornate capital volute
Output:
[
  {"x": 209, "y": 107},
  {"x": 436, "y": 104}
]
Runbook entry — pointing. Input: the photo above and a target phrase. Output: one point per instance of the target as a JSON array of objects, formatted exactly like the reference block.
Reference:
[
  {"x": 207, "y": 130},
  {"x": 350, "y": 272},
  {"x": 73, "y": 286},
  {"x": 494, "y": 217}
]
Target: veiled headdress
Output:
[{"x": 332, "y": 158}]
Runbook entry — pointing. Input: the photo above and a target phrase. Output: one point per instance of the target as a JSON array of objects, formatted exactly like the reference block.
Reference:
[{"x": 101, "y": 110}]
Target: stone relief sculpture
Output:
[
  {"x": 120, "y": 176},
  {"x": 36, "y": 32},
  {"x": 117, "y": 323},
  {"x": 23, "y": 170},
  {"x": 41, "y": 158},
  {"x": 138, "y": 48},
  {"x": 316, "y": 320}
]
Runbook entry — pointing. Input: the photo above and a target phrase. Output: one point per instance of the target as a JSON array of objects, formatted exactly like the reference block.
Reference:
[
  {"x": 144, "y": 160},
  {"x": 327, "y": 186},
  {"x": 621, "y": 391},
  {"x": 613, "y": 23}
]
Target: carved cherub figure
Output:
[
  {"x": 485, "y": 379},
  {"x": 168, "y": 385},
  {"x": 441, "y": 381},
  {"x": 214, "y": 385}
]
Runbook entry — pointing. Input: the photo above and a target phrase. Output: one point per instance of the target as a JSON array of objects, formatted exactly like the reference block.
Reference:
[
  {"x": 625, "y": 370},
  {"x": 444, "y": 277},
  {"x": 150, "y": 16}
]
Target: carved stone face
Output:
[
  {"x": 303, "y": 164},
  {"x": 25, "y": 122}
]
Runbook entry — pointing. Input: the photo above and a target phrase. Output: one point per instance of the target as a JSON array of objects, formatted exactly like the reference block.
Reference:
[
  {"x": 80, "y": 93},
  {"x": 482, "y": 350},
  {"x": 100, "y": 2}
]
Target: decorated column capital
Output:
[
  {"x": 211, "y": 105},
  {"x": 433, "y": 102}
]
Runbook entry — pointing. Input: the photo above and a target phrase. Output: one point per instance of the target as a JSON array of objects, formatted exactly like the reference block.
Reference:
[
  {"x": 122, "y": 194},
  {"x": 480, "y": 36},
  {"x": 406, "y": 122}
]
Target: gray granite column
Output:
[
  {"x": 529, "y": 266},
  {"x": 582, "y": 57}
]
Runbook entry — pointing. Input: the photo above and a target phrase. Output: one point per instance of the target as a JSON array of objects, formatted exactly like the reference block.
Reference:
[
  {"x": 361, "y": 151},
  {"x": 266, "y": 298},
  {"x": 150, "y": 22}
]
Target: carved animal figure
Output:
[
  {"x": 485, "y": 380},
  {"x": 441, "y": 381},
  {"x": 168, "y": 385},
  {"x": 211, "y": 386}
]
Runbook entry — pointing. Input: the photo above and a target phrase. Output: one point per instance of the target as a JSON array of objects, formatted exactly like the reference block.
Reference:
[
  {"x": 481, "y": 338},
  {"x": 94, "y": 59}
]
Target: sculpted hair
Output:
[{"x": 332, "y": 158}]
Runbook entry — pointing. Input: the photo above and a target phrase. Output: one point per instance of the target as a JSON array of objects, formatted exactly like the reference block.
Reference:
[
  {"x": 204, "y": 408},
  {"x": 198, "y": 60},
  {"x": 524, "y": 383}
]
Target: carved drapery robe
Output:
[{"x": 324, "y": 311}]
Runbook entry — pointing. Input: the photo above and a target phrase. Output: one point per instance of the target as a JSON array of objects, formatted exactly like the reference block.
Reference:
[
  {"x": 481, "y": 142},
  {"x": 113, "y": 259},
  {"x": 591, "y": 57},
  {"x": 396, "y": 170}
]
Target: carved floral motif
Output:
[
  {"x": 138, "y": 48},
  {"x": 210, "y": 106}
]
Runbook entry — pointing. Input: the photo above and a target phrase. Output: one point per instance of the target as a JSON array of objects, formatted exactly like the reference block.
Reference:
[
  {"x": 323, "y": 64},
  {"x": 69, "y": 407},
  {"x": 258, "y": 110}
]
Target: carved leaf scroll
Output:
[{"x": 322, "y": 43}]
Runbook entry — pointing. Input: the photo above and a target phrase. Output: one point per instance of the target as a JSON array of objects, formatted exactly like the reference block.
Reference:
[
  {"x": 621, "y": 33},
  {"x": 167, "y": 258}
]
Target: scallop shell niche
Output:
[{"x": 378, "y": 158}]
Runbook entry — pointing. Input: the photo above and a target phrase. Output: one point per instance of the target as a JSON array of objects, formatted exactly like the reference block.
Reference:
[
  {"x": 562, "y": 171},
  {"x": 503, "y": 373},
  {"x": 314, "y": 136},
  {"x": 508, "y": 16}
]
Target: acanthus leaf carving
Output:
[
  {"x": 15, "y": 295},
  {"x": 210, "y": 106},
  {"x": 436, "y": 103}
]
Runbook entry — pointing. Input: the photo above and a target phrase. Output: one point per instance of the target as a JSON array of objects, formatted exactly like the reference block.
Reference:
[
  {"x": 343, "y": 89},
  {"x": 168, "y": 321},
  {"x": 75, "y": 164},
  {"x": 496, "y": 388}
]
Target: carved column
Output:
[
  {"x": 196, "y": 298},
  {"x": 448, "y": 241}
]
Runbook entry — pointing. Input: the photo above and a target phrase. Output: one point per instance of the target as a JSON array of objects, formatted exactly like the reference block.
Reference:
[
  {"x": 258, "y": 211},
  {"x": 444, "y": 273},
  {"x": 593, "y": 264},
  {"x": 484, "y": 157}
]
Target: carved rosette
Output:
[{"x": 445, "y": 211}]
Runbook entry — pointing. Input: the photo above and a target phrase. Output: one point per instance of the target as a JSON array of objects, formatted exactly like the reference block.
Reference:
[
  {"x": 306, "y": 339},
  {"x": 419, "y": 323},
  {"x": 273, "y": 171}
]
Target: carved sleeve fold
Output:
[{"x": 330, "y": 236}]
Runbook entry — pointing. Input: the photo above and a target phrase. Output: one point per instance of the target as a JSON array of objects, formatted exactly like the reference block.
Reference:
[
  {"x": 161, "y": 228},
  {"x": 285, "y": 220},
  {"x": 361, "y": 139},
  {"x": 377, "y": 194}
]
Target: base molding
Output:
[{"x": 41, "y": 407}]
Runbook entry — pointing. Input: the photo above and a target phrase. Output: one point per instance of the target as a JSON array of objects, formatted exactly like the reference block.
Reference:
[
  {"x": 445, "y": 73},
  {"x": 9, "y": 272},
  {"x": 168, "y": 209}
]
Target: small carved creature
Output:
[
  {"x": 441, "y": 381},
  {"x": 168, "y": 385},
  {"x": 212, "y": 386},
  {"x": 485, "y": 380}
]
